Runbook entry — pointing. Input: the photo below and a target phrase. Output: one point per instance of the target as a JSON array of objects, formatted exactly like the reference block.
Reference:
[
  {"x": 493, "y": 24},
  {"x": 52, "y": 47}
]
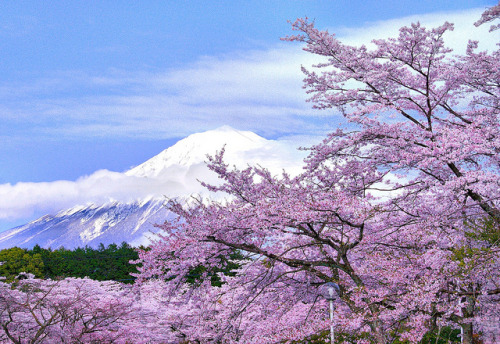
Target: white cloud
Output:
[
  {"x": 29, "y": 199},
  {"x": 256, "y": 77},
  {"x": 26, "y": 200},
  {"x": 456, "y": 39}
]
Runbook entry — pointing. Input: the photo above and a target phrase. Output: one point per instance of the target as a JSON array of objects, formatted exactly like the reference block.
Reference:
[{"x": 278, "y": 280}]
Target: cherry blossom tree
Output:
[
  {"x": 431, "y": 119},
  {"x": 66, "y": 311},
  {"x": 402, "y": 210},
  {"x": 489, "y": 15},
  {"x": 75, "y": 310}
]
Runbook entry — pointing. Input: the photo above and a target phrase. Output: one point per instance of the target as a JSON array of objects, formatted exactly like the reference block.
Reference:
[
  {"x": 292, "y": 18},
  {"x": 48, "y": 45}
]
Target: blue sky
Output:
[{"x": 90, "y": 85}]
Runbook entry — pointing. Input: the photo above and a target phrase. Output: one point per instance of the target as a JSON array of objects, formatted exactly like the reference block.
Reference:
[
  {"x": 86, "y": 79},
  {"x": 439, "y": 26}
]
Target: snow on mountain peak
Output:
[{"x": 193, "y": 150}]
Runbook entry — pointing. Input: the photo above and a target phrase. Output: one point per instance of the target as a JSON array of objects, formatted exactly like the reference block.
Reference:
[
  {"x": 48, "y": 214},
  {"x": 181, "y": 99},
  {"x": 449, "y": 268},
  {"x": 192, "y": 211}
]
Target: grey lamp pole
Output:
[{"x": 331, "y": 293}]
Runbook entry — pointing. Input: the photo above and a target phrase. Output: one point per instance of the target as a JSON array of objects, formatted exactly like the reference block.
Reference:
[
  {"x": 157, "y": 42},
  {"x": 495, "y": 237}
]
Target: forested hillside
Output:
[{"x": 104, "y": 263}]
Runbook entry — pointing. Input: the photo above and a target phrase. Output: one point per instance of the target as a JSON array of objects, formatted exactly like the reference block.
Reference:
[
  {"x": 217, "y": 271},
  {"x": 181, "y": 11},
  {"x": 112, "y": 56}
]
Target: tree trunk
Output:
[
  {"x": 467, "y": 329},
  {"x": 378, "y": 333},
  {"x": 467, "y": 334}
]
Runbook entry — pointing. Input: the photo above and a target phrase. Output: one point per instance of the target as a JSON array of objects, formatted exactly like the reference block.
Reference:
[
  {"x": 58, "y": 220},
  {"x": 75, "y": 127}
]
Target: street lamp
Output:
[{"x": 330, "y": 293}]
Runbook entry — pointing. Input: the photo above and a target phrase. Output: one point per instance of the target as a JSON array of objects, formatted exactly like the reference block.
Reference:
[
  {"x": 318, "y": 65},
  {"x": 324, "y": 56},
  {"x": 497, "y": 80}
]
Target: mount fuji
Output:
[{"x": 131, "y": 215}]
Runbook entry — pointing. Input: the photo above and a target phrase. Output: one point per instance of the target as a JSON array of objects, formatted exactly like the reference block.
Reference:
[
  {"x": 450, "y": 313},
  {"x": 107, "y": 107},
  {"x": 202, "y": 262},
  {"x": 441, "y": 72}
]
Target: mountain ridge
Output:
[
  {"x": 133, "y": 221},
  {"x": 114, "y": 222}
]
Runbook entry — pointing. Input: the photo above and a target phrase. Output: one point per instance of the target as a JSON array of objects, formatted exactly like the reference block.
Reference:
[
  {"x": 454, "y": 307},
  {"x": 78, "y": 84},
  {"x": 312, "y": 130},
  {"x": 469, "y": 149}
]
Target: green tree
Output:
[{"x": 15, "y": 260}]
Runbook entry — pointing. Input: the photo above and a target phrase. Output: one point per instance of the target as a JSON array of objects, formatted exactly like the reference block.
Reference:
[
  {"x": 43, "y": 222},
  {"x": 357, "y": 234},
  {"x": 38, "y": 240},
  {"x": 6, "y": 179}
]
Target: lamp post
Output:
[{"x": 331, "y": 292}]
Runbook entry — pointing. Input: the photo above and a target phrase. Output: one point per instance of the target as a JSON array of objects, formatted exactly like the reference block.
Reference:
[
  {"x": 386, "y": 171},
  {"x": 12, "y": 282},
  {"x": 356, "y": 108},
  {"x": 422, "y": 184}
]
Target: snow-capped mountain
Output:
[
  {"x": 193, "y": 151},
  {"x": 126, "y": 206},
  {"x": 90, "y": 225}
]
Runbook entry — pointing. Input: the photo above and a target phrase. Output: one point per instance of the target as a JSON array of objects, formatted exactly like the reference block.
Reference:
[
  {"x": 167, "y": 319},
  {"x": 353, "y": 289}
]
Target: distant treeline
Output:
[{"x": 103, "y": 263}]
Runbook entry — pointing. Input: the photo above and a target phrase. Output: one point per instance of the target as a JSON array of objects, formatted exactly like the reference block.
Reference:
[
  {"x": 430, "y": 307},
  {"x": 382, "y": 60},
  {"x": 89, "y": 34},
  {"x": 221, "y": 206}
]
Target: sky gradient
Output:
[{"x": 87, "y": 85}]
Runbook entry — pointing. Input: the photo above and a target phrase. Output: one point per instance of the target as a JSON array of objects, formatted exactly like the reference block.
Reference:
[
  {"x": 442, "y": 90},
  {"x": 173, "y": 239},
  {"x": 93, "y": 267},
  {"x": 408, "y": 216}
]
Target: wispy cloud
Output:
[
  {"x": 257, "y": 90},
  {"x": 456, "y": 39}
]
